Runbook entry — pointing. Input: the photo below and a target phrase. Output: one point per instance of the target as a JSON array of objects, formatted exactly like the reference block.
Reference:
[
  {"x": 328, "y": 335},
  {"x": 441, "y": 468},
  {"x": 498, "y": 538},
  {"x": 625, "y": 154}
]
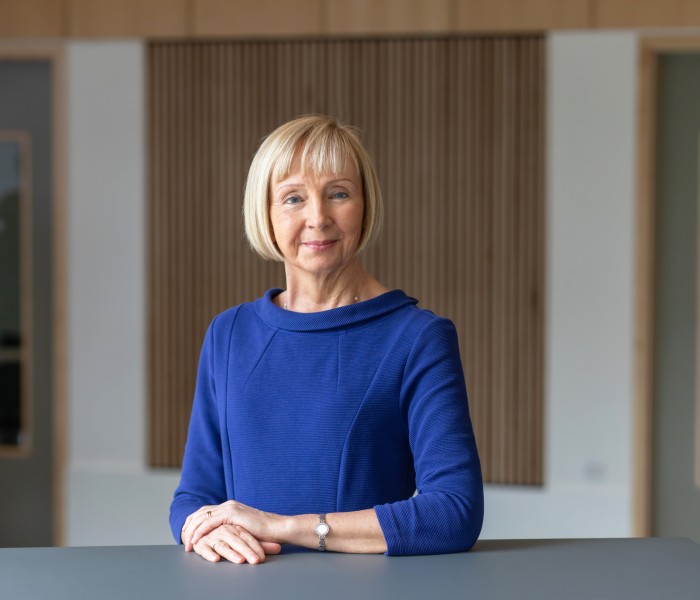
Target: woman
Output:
[{"x": 321, "y": 408}]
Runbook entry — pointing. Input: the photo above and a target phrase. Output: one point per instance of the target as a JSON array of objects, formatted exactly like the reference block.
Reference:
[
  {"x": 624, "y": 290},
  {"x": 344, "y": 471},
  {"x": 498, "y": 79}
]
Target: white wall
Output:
[
  {"x": 591, "y": 105},
  {"x": 113, "y": 498}
]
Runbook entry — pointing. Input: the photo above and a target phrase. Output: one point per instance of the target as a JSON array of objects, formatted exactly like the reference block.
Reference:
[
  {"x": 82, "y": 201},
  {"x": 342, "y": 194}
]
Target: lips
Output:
[{"x": 319, "y": 244}]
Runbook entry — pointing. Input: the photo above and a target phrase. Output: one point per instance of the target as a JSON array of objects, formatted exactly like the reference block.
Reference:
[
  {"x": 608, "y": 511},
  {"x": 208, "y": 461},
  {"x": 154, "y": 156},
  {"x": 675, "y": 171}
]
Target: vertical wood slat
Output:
[{"x": 456, "y": 130}]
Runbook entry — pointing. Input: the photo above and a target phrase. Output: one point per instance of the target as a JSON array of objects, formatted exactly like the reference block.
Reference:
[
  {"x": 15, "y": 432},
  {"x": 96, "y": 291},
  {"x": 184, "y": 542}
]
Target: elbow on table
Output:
[
  {"x": 467, "y": 530},
  {"x": 472, "y": 532},
  {"x": 432, "y": 523},
  {"x": 467, "y": 512}
]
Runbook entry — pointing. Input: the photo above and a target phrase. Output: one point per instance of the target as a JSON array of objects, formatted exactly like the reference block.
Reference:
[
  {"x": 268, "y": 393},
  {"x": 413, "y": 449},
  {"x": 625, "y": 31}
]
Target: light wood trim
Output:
[
  {"x": 24, "y": 449},
  {"x": 697, "y": 342},
  {"x": 644, "y": 305},
  {"x": 61, "y": 359},
  {"x": 649, "y": 50},
  {"x": 258, "y": 18},
  {"x": 126, "y": 18},
  {"x": 646, "y": 13},
  {"x": 31, "y": 18},
  {"x": 205, "y": 18},
  {"x": 670, "y": 44},
  {"x": 388, "y": 16},
  {"x": 521, "y": 15}
]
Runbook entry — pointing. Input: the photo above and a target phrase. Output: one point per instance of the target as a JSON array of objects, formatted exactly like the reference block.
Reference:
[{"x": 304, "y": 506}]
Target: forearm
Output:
[{"x": 355, "y": 532}]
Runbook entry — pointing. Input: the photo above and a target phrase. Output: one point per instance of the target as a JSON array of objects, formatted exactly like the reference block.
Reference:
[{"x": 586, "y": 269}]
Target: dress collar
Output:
[{"x": 333, "y": 319}]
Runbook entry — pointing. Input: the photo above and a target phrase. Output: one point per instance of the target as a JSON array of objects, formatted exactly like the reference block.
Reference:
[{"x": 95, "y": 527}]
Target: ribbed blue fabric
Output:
[{"x": 341, "y": 410}]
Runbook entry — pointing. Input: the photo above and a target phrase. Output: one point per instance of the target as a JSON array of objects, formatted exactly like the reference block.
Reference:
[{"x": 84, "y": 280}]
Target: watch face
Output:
[{"x": 322, "y": 529}]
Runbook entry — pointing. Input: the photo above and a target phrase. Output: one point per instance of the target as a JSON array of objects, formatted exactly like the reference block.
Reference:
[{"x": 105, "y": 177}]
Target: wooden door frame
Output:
[
  {"x": 650, "y": 48},
  {"x": 54, "y": 53}
]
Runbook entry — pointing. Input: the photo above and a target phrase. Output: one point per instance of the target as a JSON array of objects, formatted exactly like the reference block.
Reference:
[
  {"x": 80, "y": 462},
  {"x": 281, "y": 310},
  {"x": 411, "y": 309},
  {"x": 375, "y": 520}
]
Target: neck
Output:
[{"x": 314, "y": 293}]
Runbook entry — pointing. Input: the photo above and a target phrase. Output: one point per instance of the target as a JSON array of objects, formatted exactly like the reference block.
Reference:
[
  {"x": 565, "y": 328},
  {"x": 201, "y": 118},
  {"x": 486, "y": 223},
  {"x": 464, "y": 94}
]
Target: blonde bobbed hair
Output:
[{"x": 324, "y": 145}]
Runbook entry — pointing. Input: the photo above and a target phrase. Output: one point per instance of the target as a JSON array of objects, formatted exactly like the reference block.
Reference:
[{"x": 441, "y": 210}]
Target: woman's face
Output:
[{"x": 317, "y": 220}]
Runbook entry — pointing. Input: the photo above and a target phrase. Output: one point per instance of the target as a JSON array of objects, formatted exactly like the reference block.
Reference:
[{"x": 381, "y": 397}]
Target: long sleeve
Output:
[
  {"x": 202, "y": 481},
  {"x": 447, "y": 513}
]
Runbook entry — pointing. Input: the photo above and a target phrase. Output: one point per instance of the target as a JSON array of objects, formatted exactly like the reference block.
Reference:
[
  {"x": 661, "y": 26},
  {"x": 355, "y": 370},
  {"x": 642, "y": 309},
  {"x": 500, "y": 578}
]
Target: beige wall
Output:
[{"x": 248, "y": 18}]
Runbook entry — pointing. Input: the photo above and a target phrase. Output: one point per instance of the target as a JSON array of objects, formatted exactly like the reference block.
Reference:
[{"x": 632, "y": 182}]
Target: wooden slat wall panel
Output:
[{"x": 456, "y": 128}]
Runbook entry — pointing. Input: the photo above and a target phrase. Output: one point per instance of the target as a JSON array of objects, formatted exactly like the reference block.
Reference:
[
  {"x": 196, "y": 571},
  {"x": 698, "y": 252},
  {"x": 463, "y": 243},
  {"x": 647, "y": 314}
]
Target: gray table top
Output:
[{"x": 542, "y": 569}]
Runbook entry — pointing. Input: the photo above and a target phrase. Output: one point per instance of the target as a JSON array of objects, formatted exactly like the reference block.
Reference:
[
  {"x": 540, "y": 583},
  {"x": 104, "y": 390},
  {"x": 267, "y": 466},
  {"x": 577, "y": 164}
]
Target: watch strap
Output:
[{"x": 322, "y": 530}]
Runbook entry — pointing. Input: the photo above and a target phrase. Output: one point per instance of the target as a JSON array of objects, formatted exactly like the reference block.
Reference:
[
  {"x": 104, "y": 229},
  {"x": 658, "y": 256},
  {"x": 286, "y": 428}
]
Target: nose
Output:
[{"x": 317, "y": 215}]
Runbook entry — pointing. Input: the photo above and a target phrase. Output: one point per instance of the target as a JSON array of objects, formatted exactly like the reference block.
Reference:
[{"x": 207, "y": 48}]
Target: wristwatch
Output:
[{"x": 322, "y": 529}]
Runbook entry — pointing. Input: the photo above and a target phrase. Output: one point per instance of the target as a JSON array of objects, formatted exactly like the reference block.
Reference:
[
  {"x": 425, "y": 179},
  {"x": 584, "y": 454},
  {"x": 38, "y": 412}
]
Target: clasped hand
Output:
[{"x": 232, "y": 531}]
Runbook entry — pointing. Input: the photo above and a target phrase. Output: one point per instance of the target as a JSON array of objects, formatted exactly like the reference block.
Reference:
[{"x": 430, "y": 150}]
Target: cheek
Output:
[
  {"x": 274, "y": 228},
  {"x": 283, "y": 228},
  {"x": 276, "y": 224},
  {"x": 356, "y": 220}
]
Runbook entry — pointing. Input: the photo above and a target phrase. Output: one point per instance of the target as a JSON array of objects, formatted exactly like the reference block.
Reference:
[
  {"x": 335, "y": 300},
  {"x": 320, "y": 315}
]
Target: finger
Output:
[
  {"x": 191, "y": 522},
  {"x": 224, "y": 550},
  {"x": 271, "y": 547},
  {"x": 241, "y": 542},
  {"x": 256, "y": 550},
  {"x": 237, "y": 550},
  {"x": 184, "y": 532},
  {"x": 186, "y": 535},
  {"x": 202, "y": 522},
  {"x": 209, "y": 521},
  {"x": 207, "y": 552}
]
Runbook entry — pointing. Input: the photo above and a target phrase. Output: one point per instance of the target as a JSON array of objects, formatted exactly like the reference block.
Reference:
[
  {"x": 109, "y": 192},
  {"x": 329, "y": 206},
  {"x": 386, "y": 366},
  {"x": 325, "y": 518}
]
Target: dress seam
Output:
[{"x": 226, "y": 458}]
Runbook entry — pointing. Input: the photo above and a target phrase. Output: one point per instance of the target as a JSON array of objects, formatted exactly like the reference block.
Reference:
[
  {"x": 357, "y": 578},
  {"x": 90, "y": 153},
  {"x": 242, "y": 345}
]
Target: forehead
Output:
[{"x": 325, "y": 157}]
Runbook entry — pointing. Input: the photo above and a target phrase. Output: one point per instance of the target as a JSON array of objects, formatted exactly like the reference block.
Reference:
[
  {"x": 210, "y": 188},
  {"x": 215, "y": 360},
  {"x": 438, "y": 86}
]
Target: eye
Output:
[
  {"x": 291, "y": 200},
  {"x": 339, "y": 195}
]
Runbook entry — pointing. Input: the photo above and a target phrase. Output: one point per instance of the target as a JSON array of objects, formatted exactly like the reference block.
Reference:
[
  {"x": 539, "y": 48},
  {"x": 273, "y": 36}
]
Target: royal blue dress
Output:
[{"x": 346, "y": 409}]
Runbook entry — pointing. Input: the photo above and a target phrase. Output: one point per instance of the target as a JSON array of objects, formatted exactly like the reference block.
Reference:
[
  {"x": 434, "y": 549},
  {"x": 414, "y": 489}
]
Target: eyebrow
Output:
[
  {"x": 301, "y": 183},
  {"x": 286, "y": 185},
  {"x": 341, "y": 179}
]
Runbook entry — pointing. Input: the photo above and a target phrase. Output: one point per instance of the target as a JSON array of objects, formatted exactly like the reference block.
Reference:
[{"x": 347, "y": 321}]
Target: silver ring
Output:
[{"x": 208, "y": 514}]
